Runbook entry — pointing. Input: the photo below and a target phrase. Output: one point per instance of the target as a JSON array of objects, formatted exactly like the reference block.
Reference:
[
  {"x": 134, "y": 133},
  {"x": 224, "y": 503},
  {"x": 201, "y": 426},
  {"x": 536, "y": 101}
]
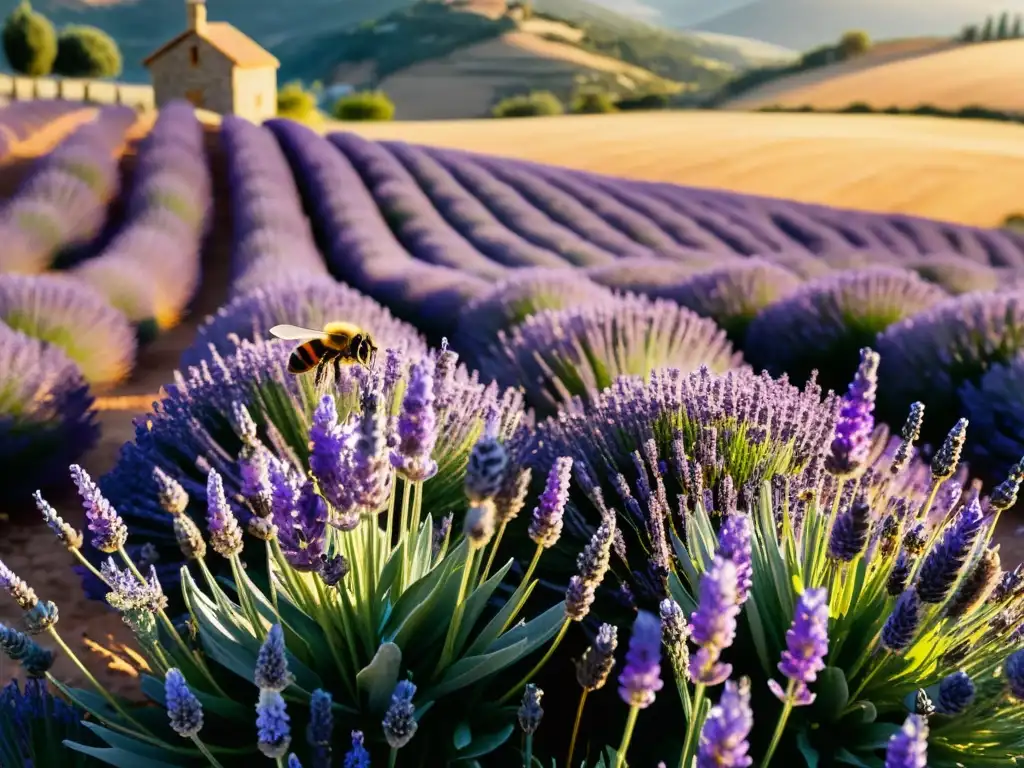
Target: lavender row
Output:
[
  {"x": 469, "y": 216},
  {"x": 361, "y": 249},
  {"x": 271, "y": 236},
  {"x": 150, "y": 270},
  {"x": 62, "y": 203},
  {"x": 409, "y": 212},
  {"x": 517, "y": 213}
]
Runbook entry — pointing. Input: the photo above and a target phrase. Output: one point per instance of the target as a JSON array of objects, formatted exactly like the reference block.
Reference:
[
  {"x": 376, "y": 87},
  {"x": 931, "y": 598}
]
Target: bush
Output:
[
  {"x": 593, "y": 103},
  {"x": 646, "y": 101},
  {"x": 365, "y": 105},
  {"x": 87, "y": 52},
  {"x": 30, "y": 42},
  {"x": 536, "y": 104},
  {"x": 296, "y": 103},
  {"x": 854, "y": 43}
]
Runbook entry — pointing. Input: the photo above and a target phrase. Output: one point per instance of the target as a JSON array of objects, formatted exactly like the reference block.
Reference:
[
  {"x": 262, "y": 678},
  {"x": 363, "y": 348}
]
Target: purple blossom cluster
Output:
[
  {"x": 150, "y": 268},
  {"x": 62, "y": 203}
]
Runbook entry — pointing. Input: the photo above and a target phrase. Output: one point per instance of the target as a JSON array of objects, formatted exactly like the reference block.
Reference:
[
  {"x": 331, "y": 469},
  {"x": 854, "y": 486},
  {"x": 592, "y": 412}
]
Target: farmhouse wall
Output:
[
  {"x": 255, "y": 93},
  {"x": 195, "y": 71}
]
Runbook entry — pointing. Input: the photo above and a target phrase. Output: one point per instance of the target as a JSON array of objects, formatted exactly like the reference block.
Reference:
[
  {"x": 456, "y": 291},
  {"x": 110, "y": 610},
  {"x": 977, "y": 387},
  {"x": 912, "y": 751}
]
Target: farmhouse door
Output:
[{"x": 195, "y": 97}]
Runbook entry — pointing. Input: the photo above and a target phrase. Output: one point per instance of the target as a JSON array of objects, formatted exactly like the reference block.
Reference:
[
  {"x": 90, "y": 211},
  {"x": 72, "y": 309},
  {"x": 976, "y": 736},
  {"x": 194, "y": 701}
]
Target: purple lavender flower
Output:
[
  {"x": 723, "y": 737},
  {"x": 302, "y": 531},
  {"x": 511, "y": 497},
  {"x": 320, "y": 730},
  {"x": 713, "y": 624},
  {"x": 173, "y": 498},
  {"x": 357, "y": 756},
  {"x": 478, "y": 525},
  {"x": 956, "y": 693},
  {"x": 675, "y": 633},
  {"x": 850, "y": 532},
  {"x": 911, "y": 433},
  {"x": 23, "y": 650},
  {"x": 947, "y": 458},
  {"x": 806, "y": 646},
  {"x": 640, "y": 679},
  {"x": 330, "y": 457},
  {"x": 856, "y": 419},
  {"x": 942, "y": 565},
  {"x": 66, "y": 535},
  {"x": 400, "y": 719},
  {"x": 530, "y": 712},
  {"x": 225, "y": 535},
  {"x": 273, "y": 726},
  {"x": 108, "y": 529},
  {"x": 1014, "y": 671},
  {"x": 909, "y": 747},
  {"x": 271, "y": 672},
  {"x": 488, "y": 461},
  {"x": 593, "y": 668},
  {"x": 17, "y": 588},
  {"x": 734, "y": 543},
  {"x": 371, "y": 472},
  {"x": 980, "y": 581},
  {"x": 183, "y": 708},
  {"x": 293, "y": 761},
  {"x": 901, "y": 626},
  {"x": 546, "y": 524},
  {"x": 900, "y": 574},
  {"x": 417, "y": 425}
]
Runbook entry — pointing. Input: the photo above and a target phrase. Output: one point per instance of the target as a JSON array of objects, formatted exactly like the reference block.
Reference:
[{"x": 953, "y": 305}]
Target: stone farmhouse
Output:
[{"x": 216, "y": 67}]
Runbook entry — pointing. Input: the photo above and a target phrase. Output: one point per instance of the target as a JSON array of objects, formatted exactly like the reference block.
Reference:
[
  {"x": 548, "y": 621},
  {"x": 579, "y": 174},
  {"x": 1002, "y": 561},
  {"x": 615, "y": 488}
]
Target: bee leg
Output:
[
  {"x": 337, "y": 370},
  {"x": 318, "y": 379}
]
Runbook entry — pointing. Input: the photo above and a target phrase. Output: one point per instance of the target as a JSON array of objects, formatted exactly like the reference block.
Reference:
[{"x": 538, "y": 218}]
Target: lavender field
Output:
[{"x": 677, "y": 359}]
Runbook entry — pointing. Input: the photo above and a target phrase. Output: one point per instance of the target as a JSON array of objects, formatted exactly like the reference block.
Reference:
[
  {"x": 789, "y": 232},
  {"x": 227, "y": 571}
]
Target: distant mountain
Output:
[
  {"x": 676, "y": 14},
  {"x": 804, "y": 24}
]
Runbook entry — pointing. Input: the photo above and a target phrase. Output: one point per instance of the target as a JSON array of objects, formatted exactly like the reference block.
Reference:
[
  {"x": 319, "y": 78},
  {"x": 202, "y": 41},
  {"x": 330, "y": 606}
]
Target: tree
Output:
[
  {"x": 970, "y": 33},
  {"x": 593, "y": 103},
  {"x": 87, "y": 52},
  {"x": 365, "y": 105},
  {"x": 30, "y": 42},
  {"x": 1003, "y": 30},
  {"x": 988, "y": 29},
  {"x": 1017, "y": 31},
  {"x": 536, "y": 104},
  {"x": 853, "y": 43}
]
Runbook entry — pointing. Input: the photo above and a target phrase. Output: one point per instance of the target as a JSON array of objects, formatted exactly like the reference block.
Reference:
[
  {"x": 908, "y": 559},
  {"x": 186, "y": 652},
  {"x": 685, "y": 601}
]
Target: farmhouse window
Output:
[{"x": 193, "y": 54}]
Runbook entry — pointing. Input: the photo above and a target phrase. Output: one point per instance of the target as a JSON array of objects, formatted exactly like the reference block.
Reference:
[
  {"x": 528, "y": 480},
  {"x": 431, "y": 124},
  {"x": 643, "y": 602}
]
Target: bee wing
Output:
[{"x": 295, "y": 333}]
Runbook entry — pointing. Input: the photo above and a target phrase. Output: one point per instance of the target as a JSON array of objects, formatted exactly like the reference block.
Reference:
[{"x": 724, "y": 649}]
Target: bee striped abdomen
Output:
[{"x": 306, "y": 356}]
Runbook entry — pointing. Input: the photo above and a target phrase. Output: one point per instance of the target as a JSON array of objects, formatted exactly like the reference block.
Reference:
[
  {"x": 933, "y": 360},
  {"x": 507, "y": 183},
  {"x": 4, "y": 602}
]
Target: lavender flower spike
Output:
[
  {"x": 640, "y": 678},
  {"x": 734, "y": 543},
  {"x": 66, "y": 534},
  {"x": 1014, "y": 671},
  {"x": 357, "y": 757},
  {"x": 723, "y": 738},
  {"x": 273, "y": 726},
  {"x": 183, "y": 708},
  {"x": 593, "y": 669},
  {"x": 806, "y": 646},
  {"x": 941, "y": 567},
  {"x": 909, "y": 747},
  {"x": 852, "y": 441},
  {"x": 546, "y": 525},
  {"x": 400, "y": 720},
  {"x": 321, "y": 728},
  {"x": 713, "y": 624},
  {"x": 417, "y": 425},
  {"x": 271, "y": 663},
  {"x": 850, "y": 532},
  {"x": 530, "y": 712},
  {"x": 901, "y": 626},
  {"x": 108, "y": 529},
  {"x": 225, "y": 535},
  {"x": 956, "y": 693}
]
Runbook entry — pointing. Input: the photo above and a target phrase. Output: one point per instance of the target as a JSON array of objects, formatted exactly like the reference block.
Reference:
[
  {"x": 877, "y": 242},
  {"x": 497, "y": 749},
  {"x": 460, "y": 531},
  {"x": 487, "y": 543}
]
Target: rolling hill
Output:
[
  {"x": 957, "y": 170},
  {"x": 804, "y": 24},
  {"x": 306, "y": 40},
  {"x": 905, "y": 75}
]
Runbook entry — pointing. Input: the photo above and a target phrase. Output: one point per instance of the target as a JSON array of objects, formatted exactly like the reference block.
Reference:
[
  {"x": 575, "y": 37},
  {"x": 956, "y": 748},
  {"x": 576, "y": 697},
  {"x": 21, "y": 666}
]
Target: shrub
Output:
[
  {"x": 30, "y": 42},
  {"x": 995, "y": 406},
  {"x": 87, "y": 52},
  {"x": 76, "y": 318},
  {"x": 297, "y": 103},
  {"x": 593, "y": 103},
  {"x": 556, "y": 355},
  {"x": 536, "y": 104},
  {"x": 854, "y": 43},
  {"x": 47, "y": 418},
  {"x": 1014, "y": 221},
  {"x": 365, "y": 105},
  {"x": 955, "y": 274},
  {"x": 645, "y": 101}
]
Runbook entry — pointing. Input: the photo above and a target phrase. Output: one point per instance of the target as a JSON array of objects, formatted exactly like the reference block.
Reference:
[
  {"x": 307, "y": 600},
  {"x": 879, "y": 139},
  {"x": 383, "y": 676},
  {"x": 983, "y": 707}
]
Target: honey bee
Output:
[{"x": 340, "y": 343}]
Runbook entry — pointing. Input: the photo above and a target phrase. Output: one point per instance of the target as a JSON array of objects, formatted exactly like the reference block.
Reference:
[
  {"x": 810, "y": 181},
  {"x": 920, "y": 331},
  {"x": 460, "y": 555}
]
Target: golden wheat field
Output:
[
  {"x": 949, "y": 77},
  {"x": 965, "y": 171}
]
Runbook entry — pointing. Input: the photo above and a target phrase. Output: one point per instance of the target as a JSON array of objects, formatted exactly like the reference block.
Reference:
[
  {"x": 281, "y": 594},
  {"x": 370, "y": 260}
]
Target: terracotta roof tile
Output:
[{"x": 237, "y": 46}]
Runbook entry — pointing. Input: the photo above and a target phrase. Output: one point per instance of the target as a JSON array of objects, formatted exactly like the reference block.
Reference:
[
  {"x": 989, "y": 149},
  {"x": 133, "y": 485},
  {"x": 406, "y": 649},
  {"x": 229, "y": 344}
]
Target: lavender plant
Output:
[
  {"x": 955, "y": 274},
  {"x": 579, "y": 352},
  {"x": 994, "y": 406},
  {"x": 74, "y": 317},
  {"x": 372, "y": 617},
  {"x": 47, "y": 418},
  {"x": 34, "y": 723},
  {"x": 227, "y": 414},
  {"x": 823, "y": 325}
]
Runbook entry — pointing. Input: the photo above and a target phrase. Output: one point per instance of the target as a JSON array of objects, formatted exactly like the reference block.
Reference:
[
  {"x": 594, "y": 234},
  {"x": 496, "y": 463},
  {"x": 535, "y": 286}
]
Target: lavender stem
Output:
[
  {"x": 540, "y": 664},
  {"x": 576, "y": 726},
  {"x": 627, "y": 736},
  {"x": 787, "y": 708}
]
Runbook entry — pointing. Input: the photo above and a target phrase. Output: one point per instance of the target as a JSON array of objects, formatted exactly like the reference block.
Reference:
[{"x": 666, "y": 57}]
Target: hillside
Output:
[
  {"x": 308, "y": 43},
  {"x": 958, "y": 170},
  {"x": 803, "y": 24},
  {"x": 948, "y": 77}
]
